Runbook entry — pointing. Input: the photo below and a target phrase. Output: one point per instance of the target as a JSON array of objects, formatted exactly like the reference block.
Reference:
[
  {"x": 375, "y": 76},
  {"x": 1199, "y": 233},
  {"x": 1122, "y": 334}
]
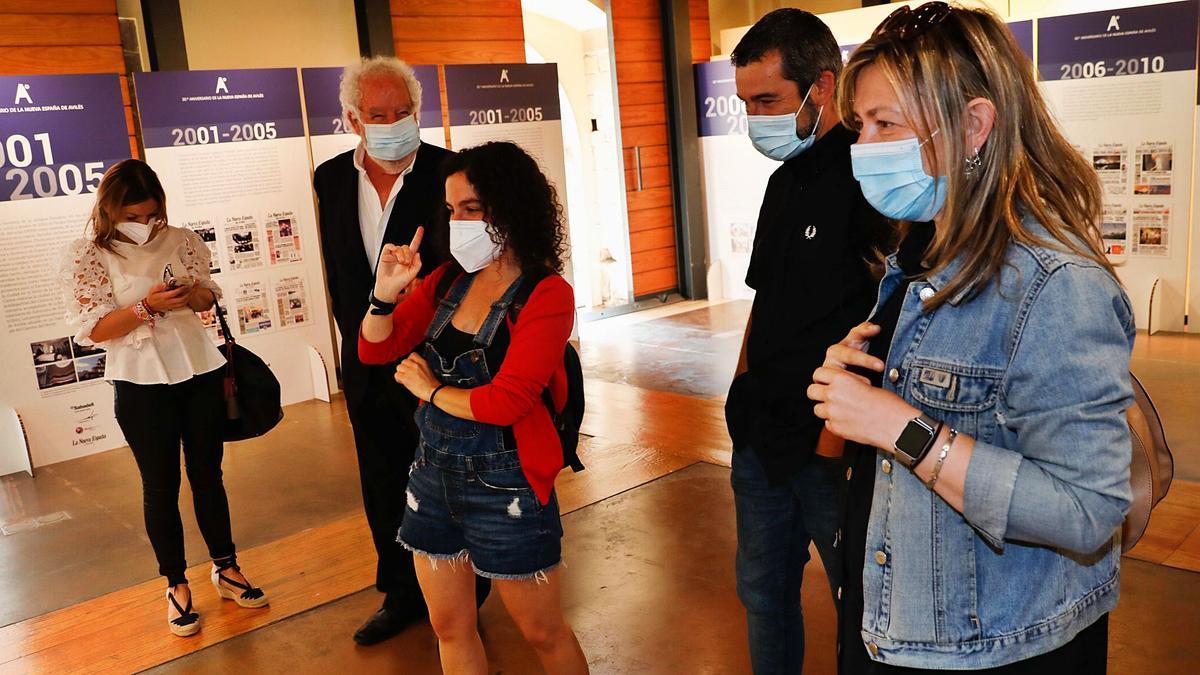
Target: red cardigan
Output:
[{"x": 534, "y": 361}]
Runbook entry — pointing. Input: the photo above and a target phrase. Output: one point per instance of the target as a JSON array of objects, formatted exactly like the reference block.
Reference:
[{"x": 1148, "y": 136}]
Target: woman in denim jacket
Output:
[{"x": 984, "y": 401}]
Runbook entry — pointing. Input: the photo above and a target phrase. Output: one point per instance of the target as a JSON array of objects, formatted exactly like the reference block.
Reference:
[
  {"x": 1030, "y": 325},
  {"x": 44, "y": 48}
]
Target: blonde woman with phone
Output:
[{"x": 133, "y": 286}]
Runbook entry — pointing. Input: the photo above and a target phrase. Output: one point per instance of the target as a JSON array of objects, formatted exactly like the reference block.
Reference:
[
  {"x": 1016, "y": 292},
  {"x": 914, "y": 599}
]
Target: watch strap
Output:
[{"x": 379, "y": 307}]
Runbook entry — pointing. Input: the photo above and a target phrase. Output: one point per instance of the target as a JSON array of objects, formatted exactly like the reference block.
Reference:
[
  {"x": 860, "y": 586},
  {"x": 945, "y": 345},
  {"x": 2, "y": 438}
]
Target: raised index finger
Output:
[{"x": 415, "y": 245}]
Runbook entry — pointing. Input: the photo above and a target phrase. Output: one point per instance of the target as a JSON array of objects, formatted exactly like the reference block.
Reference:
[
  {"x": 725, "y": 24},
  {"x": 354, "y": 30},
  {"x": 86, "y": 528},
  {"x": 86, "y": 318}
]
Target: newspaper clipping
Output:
[
  {"x": 1115, "y": 229},
  {"x": 1111, "y": 164},
  {"x": 1153, "y": 169},
  {"x": 242, "y": 243},
  {"x": 254, "y": 316},
  {"x": 283, "y": 238},
  {"x": 1151, "y": 229},
  {"x": 208, "y": 234},
  {"x": 292, "y": 301}
]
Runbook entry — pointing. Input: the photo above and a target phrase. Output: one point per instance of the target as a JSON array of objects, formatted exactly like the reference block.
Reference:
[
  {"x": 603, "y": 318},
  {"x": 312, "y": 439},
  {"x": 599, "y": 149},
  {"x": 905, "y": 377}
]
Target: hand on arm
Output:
[
  {"x": 859, "y": 412},
  {"x": 200, "y": 299},
  {"x": 416, "y": 376}
]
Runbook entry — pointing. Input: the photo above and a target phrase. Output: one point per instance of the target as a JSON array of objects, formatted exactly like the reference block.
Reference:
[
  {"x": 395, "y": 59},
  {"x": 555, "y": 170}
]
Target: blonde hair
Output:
[
  {"x": 350, "y": 88},
  {"x": 131, "y": 181},
  {"x": 1026, "y": 164}
]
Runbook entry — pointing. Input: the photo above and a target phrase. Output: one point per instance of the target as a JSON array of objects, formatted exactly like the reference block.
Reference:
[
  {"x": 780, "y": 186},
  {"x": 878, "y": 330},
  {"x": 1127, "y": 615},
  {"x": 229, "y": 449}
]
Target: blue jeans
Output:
[{"x": 775, "y": 524}]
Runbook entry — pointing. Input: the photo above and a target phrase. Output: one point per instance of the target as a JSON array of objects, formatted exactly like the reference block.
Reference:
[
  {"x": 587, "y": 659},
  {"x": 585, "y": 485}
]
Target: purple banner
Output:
[
  {"x": 502, "y": 93},
  {"x": 201, "y": 107},
  {"x": 1129, "y": 41},
  {"x": 324, "y": 108},
  {"x": 59, "y": 133},
  {"x": 1023, "y": 32},
  {"x": 847, "y": 50},
  {"x": 720, "y": 111},
  {"x": 431, "y": 98}
]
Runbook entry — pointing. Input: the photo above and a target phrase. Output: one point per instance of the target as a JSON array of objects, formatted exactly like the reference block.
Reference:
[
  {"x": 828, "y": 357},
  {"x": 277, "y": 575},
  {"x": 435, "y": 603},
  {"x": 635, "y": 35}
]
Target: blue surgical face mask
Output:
[
  {"x": 775, "y": 135},
  {"x": 894, "y": 181},
  {"x": 392, "y": 141}
]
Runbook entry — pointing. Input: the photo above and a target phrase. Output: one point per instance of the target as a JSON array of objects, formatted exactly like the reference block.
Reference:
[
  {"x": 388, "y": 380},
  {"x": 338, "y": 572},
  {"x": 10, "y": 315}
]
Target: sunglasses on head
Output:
[{"x": 906, "y": 23}]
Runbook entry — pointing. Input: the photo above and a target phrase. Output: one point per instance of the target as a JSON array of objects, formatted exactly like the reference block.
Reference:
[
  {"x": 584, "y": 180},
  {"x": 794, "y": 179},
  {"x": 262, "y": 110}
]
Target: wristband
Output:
[
  {"x": 143, "y": 313},
  {"x": 435, "y": 393},
  {"x": 937, "y": 467},
  {"x": 379, "y": 307}
]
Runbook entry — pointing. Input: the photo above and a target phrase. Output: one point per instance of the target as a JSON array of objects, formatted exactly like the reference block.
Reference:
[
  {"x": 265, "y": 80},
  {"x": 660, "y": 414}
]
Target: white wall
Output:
[
  {"x": 268, "y": 33},
  {"x": 559, "y": 43}
]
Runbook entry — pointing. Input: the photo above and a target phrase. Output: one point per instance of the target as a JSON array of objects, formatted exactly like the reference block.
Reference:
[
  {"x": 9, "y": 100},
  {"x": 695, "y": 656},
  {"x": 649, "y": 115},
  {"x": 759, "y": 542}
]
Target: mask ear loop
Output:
[{"x": 817, "y": 124}]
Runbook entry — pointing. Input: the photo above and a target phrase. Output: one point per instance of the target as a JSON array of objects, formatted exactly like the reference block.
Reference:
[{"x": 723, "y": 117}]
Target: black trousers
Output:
[
  {"x": 386, "y": 438},
  {"x": 156, "y": 419}
]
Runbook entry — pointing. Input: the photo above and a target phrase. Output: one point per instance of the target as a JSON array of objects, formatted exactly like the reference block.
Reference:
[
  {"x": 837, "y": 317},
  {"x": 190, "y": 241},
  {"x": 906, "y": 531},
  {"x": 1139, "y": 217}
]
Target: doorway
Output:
[{"x": 576, "y": 34}]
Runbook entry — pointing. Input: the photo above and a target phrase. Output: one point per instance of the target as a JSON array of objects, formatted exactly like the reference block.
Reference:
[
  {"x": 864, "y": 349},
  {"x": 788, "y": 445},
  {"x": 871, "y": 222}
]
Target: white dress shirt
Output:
[{"x": 373, "y": 218}]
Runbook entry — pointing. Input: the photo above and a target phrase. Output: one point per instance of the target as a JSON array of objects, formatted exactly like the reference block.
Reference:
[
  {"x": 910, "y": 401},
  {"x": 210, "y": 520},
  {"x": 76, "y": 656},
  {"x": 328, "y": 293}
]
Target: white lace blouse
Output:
[{"x": 96, "y": 282}]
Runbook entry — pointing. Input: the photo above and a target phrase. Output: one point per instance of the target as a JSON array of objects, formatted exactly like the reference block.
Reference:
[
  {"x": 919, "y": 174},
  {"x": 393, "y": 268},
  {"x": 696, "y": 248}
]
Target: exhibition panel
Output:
[
  {"x": 516, "y": 102},
  {"x": 58, "y": 135},
  {"x": 230, "y": 149}
]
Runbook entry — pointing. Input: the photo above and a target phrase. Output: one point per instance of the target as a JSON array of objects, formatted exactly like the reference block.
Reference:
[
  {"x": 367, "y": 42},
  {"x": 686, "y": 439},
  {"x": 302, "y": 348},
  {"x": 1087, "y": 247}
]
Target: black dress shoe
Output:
[{"x": 387, "y": 623}]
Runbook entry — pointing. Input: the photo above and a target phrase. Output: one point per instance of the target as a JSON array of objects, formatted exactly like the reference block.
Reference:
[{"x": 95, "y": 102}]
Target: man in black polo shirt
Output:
[{"x": 812, "y": 277}]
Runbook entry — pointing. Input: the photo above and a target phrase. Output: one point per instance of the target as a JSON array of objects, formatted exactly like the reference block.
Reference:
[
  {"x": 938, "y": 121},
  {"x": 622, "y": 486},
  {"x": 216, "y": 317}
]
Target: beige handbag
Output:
[{"x": 1151, "y": 466}]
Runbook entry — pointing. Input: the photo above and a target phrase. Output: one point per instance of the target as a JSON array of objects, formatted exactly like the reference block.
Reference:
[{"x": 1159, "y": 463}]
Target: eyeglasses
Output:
[{"x": 907, "y": 23}]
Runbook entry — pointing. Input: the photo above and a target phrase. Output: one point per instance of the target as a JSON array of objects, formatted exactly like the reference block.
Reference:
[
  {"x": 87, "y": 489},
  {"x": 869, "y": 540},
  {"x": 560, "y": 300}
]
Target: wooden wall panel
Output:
[
  {"x": 702, "y": 47},
  {"x": 52, "y": 37},
  {"x": 641, "y": 91},
  {"x": 463, "y": 31},
  {"x": 59, "y": 6}
]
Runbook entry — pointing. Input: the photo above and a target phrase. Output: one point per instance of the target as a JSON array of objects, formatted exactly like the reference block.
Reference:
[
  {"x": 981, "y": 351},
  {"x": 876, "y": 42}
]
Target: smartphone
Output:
[{"x": 180, "y": 282}]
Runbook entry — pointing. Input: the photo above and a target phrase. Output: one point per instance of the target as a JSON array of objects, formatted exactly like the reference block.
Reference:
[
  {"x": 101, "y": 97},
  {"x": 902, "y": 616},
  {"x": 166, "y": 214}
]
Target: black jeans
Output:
[{"x": 155, "y": 418}]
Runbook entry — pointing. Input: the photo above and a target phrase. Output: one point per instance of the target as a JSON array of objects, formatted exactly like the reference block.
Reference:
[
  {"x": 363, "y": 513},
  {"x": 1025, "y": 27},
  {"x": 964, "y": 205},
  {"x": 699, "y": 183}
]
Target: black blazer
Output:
[{"x": 347, "y": 271}]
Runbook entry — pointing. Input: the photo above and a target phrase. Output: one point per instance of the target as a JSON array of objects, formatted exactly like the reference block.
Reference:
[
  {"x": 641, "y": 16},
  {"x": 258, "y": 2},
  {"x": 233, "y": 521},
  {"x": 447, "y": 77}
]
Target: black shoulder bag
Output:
[{"x": 252, "y": 406}]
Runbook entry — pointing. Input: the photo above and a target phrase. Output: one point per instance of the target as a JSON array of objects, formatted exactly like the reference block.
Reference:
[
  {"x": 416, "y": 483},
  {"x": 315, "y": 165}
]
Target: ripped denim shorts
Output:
[{"x": 469, "y": 499}]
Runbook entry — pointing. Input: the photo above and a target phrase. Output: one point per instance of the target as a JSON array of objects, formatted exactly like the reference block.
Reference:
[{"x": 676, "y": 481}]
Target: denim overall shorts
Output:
[{"x": 468, "y": 498}]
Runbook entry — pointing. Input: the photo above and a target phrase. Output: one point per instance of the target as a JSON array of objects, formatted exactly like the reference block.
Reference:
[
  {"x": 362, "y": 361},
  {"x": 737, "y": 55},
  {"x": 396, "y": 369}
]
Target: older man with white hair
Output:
[{"x": 376, "y": 194}]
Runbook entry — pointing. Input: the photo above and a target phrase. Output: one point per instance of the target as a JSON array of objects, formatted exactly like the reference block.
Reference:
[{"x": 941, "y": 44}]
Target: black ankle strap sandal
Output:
[
  {"x": 187, "y": 622},
  {"x": 251, "y": 596}
]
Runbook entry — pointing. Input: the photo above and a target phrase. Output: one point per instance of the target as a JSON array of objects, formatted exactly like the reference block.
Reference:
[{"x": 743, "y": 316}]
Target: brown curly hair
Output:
[{"x": 522, "y": 207}]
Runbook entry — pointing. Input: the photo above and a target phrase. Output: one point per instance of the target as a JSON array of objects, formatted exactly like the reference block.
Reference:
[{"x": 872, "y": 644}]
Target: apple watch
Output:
[{"x": 916, "y": 440}]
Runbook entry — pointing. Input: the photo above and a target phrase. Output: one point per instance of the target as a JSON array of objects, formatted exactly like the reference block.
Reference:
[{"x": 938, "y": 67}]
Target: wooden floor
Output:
[
  {"x": 639, "y": 436},
  {"x": 323, "y": 564}
]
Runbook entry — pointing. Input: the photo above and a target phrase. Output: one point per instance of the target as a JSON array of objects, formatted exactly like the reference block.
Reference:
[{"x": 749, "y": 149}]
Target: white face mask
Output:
[
  {"x": 392, "y": 142},
  {"x": 138, "y": 233},
  {"x": 471, "y": 245}
]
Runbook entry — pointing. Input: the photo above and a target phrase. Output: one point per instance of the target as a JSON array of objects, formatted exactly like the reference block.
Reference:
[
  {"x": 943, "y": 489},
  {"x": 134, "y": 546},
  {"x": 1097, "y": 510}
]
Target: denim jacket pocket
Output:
[{"x": 957, "y": 394}]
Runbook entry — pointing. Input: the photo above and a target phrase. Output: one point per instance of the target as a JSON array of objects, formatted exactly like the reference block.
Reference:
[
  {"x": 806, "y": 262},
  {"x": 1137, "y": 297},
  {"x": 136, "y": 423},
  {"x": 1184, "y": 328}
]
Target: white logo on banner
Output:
[
  {"x": 810, "y": 231},
  {"x": 1114, "y": 23},
  {"x": 23, "y": 93},
  {"x": 221, "y": 86},
  {"x": 504, "y": 74}
]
